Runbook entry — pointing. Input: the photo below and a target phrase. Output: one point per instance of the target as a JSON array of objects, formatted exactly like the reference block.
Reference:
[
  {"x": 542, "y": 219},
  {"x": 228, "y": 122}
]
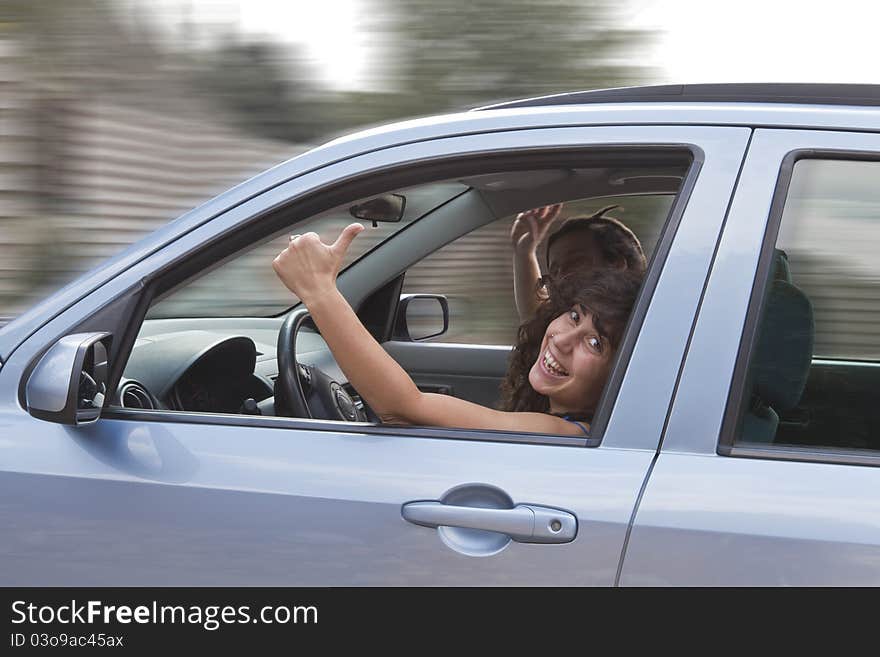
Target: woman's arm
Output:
[
  {"x": 526, "y": 273},
  {"x": 527, "y": 231},
  {"x": 308, "y": 267}
]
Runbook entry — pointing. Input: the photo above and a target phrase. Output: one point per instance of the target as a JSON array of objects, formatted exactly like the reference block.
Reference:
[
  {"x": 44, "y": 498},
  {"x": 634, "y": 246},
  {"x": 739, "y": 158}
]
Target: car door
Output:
[
  {"x": 165, "y": 498},
  {"x": 726, "y": 505}
]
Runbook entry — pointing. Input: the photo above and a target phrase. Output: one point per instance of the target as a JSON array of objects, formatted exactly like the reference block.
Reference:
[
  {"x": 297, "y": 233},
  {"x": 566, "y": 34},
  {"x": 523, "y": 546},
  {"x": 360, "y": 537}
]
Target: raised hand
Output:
[
  {"x": 531, "y": 226},
  {"x": 308, "y": 267}
]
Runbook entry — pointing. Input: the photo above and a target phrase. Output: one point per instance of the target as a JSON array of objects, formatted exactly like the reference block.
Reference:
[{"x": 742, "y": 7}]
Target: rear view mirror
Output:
[
  {"x": 69, "y": 383},
  {"x": 387, "y": 208},
  {"x": 421, "y": 316}
]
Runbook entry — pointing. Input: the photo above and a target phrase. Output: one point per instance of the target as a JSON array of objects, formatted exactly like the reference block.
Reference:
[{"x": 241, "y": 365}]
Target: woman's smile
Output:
[
  {"x": 551, "y": 366},
  {"x": 573, "y": 364}
]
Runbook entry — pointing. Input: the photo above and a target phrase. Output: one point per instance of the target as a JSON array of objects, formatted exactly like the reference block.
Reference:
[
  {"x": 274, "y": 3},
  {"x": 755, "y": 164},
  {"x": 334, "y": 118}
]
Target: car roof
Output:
[{"x": 811, "y": 94}]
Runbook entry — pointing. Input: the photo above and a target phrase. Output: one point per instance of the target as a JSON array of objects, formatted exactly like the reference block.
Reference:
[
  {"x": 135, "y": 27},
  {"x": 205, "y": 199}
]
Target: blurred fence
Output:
[{"x": 81, "y": 177}]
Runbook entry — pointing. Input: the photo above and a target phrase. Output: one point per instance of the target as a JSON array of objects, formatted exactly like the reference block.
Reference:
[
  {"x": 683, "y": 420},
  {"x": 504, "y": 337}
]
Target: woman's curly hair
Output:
[{"x": 606, "y": 294}]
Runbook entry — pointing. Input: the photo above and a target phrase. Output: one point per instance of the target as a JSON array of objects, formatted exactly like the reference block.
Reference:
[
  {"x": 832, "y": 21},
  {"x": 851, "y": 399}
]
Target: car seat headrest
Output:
[
  {"x": 781, "y": 270},
  {"x": 784, "y": 349}
]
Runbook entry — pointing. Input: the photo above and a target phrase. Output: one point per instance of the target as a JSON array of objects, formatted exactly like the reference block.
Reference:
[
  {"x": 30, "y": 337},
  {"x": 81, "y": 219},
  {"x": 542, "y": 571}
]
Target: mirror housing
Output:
[
  {"x": 387, "y": 208},
  {"x": 69, "y": 383},
  {"x": 421, "y": 317}
]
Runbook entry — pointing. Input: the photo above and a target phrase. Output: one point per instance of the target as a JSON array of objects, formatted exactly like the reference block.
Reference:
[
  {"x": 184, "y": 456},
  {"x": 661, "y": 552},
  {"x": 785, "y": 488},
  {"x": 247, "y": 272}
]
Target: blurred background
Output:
[{"x": 119, "y": 115}]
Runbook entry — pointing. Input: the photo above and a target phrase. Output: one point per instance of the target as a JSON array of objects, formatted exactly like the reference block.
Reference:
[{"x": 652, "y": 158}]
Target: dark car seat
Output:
[{"x": 782, "y": 355}]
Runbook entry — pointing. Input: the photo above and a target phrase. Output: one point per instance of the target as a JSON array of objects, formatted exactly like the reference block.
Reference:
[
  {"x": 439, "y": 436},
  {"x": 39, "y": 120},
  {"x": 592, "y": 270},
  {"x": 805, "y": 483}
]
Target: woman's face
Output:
[{"x": 573, "y": 364}]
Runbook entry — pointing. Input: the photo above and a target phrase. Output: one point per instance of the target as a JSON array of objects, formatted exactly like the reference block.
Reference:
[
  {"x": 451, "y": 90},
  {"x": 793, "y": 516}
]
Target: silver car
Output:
[{"x": 172, "y": 418}]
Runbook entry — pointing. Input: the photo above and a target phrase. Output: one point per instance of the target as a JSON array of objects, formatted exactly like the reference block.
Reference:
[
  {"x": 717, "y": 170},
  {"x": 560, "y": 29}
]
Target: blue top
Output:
[{"x": 583, "y": 428}]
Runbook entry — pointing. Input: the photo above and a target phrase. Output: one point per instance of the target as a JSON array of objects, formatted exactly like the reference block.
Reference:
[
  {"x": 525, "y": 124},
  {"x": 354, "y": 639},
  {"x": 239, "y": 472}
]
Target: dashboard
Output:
[
  {"x": 204, "y": 365},
  {"x": 221, "y": 379}
]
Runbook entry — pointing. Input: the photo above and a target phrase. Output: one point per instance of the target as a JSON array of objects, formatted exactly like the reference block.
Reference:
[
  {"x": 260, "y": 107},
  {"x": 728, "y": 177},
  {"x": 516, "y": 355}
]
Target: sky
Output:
[
  {"x": 699, "y": 41},
  {"x": 326, "y": 29},
  {"x": 763, "y": 40}
]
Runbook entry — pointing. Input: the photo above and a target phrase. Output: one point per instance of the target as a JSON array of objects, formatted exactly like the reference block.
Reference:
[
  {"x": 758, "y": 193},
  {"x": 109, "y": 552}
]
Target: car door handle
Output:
[{"x": 524, "y": 523}]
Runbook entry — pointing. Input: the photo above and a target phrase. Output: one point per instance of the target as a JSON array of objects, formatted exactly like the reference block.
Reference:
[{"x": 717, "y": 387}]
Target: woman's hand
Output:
[
  {"x": 527, "y": 231},
  {"x": 308, "y": 267},
  {"x": 531, "y": 226}
]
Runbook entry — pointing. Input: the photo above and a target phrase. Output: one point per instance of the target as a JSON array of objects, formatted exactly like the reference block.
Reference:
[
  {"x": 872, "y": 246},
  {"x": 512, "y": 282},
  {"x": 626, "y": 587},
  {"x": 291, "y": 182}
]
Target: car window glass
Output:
[
  {"x": 815, "y": 365},
  {"x": 474, "y": 271},
  {"x": 247, "y": 287}
]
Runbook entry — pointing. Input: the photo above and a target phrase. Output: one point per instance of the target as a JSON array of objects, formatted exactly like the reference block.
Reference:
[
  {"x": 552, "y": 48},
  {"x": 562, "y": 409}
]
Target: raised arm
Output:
[
  {"x": 527, "y": 231},
  {"x": 308, "y": 268}
]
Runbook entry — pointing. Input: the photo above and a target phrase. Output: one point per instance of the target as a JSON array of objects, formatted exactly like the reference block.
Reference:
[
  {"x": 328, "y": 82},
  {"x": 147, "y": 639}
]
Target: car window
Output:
[
  {"x": 206, "y": 346},
  {"x": 474, "y": 271},
  {"x": 814, "y": 368}
]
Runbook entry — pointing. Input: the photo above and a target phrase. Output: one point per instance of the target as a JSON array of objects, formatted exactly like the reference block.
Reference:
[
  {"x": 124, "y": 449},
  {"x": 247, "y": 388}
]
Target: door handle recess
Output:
[{"x": 524, "y": 523}]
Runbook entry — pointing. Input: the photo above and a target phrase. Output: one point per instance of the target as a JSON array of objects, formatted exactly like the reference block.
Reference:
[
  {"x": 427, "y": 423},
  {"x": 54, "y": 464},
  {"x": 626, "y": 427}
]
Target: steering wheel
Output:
[{"x": 304, "y": 390}]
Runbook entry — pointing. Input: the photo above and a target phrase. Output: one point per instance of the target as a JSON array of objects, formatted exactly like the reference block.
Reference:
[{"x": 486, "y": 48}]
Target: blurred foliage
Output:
[
  {"x": 430, "y": 57},
  {"x": 440, "y": 56},
  {"x": 461, "y": 53},
  {"x": 266, "y": 89}
]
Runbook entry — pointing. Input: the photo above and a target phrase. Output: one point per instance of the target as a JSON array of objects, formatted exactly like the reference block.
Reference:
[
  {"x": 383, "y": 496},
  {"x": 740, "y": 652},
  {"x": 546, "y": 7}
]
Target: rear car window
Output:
[{"x": 814, "y": 368}]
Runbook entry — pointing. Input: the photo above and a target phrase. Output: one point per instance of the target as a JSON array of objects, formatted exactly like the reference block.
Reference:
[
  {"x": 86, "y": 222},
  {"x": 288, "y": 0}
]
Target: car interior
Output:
[
  {"x": 795, "y": 399},
  {"x": 814, "y": 367},
  {"x": 781, "y": 357},
  {"x": 208, "y": 358}
]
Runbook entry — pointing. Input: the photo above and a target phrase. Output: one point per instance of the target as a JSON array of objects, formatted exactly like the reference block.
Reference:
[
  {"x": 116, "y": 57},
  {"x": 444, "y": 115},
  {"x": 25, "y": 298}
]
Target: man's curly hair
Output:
[{"x": 606, "y": 294}]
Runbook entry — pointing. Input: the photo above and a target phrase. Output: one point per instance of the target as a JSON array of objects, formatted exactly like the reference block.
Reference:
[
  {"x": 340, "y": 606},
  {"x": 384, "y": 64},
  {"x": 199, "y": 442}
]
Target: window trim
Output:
[
  {"x": 733, "y": 412},
  {"x": 372, "y": 182},
  {"x": 280, "y": 422}
]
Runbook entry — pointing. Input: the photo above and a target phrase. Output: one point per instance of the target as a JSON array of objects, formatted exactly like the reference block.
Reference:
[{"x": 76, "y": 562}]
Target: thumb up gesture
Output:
[{"x": 308, "y": 267}]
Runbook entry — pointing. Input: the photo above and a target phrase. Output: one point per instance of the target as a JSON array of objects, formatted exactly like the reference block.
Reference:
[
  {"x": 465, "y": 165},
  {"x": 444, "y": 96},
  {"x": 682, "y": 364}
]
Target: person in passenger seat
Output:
[
  {"x": 558, "y": 370},
  {"x": 589, "y": 242}
]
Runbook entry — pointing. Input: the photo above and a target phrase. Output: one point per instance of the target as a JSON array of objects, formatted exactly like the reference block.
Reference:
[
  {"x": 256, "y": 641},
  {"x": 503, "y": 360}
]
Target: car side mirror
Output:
[
  {"x": 385, "y": 208},
  {"x": 421, "y": 316},
  {"x": 69, "y": 383}
]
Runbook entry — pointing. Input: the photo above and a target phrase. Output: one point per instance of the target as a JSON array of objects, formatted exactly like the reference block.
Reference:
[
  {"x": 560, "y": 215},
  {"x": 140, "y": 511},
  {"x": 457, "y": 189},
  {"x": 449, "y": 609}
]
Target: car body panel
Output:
[
  {"x": 140, "y": 503},
  {"x": 712, "y": 519},
  {"x": 216, "y": 499},
  {"x": 708, "y": 520}
]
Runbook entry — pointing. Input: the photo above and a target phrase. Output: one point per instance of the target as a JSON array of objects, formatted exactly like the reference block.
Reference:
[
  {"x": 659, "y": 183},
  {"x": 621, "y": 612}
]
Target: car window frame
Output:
[
  {"x": 736, "y": 401},
  {"x": 555, "y": 153}
]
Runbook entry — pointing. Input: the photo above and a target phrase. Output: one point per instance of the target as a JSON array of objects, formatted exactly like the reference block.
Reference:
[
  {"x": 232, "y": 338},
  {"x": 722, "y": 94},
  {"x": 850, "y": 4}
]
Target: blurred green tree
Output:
[
  {"x": 434, "y": 56},
  {"x": 267, "y": 87},
  {"x": 427, "y": 57}
]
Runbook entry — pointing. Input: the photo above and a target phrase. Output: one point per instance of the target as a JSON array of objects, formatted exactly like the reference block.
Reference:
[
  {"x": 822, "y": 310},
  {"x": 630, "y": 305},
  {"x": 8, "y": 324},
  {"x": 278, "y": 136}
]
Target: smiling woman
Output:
[
  {"x": 565, "y": 352},
  {"x": 581, "y": 325}
]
